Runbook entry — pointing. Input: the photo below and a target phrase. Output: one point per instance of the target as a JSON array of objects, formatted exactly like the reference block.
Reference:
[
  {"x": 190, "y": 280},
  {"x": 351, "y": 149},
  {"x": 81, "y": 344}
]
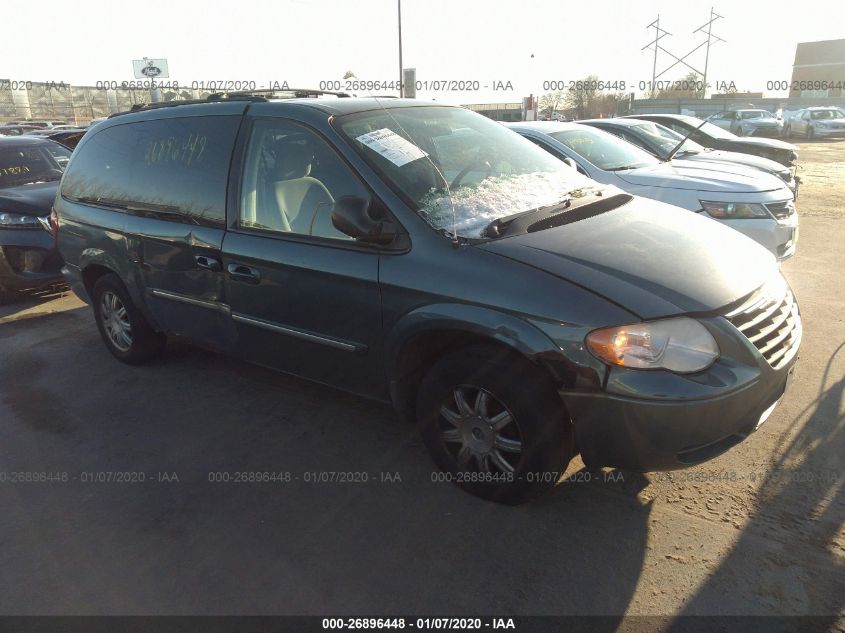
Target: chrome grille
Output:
[
  {"x": 771, "y": 322},
  {"x": 781, "y": 210}
]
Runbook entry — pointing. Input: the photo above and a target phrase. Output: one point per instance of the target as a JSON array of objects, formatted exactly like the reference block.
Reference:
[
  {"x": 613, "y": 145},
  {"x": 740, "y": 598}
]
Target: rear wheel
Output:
[
  {"x": 125, "y": 331},
  {"x": 494, "y": 424}
]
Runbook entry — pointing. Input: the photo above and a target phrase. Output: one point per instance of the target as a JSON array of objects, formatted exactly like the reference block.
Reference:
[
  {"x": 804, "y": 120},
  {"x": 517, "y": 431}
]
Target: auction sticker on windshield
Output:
[{"x": 397, "y": 149}]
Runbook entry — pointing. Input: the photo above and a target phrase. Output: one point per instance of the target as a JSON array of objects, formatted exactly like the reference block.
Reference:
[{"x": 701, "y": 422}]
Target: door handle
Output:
[
  {"x": 209, "y": 263},
  {"x": 239, "y": 272}
]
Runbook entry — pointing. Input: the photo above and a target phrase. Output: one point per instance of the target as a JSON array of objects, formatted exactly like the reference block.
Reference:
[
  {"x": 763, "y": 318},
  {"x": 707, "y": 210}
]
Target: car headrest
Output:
[{"x": 293, "y": 159}]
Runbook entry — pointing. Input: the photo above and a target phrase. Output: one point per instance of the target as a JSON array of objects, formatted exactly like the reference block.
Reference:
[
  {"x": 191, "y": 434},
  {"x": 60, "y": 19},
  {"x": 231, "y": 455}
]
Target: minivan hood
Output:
[
  {"x": 651, "y": 258},
  {"x": 33, "y": 199},
  {"x": 722, "y": 177}
]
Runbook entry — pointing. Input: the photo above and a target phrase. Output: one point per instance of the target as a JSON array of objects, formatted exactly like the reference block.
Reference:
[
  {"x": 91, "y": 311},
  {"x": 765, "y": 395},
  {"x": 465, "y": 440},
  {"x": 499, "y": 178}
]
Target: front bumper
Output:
[
  {"x": 656, "y": 420},
  {"x": 28, "y": 259},
  {"x": 765, "y": 132},
  {"x": 780, "y": 237}
]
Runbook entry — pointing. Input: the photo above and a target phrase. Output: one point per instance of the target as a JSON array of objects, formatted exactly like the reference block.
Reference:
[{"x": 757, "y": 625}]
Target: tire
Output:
[
  {"x": 125, "y": 331},
  {"x": 518, "y": 428}
]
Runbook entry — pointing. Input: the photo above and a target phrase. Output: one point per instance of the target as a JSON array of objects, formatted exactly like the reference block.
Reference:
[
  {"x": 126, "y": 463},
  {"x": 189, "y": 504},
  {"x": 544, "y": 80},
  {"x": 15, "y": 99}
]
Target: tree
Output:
[
  {"x": 587, "y": 101},
  {"x": 690, "y": 86},
  {"x": 551, "y": 101},
  {"x": 581, "y": 98}
]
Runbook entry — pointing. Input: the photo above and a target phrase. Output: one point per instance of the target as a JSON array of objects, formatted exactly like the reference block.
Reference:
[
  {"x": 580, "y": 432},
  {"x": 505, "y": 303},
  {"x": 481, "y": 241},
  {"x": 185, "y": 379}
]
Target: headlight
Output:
[
  {"x": 14, "y": 220},
  {"x": 734, "y": 210},
  {"x": 679, "y": 344}
]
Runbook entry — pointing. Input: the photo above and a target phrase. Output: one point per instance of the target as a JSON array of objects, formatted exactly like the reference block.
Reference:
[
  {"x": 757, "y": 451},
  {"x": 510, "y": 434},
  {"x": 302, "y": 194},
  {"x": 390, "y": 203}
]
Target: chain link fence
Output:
[{"x": 20, "y": 101}]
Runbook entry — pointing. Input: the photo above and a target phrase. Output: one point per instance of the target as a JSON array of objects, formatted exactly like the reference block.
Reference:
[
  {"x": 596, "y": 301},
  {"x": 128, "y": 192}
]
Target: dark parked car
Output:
[
  {"x": 426, "y": 256},
  {"x": 30, "y": 169},
  {"x": 16, "y": 130},
  {"x": 713, "y": 136},
  {"x": 68, "y": 138}
]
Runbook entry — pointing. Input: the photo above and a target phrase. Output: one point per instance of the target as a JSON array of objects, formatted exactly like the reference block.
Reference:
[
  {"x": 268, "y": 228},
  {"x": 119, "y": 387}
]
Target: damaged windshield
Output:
[{"x": 445, "y": 157}]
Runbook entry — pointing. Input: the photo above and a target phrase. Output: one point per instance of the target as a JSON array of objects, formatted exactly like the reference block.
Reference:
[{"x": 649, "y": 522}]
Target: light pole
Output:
[{"x": 399, "y": 11}]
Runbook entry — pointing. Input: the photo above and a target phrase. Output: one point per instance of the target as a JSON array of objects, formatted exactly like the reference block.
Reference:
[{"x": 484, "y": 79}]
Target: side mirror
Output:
[
  {"x": 355, "y": 217},
  {"x": 570, "y": 162}
]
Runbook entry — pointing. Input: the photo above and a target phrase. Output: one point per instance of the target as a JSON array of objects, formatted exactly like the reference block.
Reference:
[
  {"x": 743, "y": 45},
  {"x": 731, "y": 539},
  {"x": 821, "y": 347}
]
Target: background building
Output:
[{"x": 818, "y": 62}]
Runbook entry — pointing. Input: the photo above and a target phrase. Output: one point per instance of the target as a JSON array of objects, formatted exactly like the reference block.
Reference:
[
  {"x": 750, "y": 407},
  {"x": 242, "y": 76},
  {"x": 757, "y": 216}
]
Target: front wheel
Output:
[
  {"x": 493, "y": 423},
  {"x": 125, "y": 331}
]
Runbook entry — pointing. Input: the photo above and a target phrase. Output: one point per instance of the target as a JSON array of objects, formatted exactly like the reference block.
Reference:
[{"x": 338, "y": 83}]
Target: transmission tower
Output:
[{"x": 660, "y": 33}]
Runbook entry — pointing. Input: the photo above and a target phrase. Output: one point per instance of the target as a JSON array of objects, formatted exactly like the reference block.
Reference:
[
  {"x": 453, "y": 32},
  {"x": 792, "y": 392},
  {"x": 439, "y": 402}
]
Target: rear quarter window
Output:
[{"x": 174, "y": 168}]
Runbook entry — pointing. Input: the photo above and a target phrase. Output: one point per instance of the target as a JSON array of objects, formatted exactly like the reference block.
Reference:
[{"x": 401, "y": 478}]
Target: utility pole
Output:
[
  {"x": 713, "y": 17},
  {"x": 658, "y": 34},
  {"x": 399, "y": 8}
]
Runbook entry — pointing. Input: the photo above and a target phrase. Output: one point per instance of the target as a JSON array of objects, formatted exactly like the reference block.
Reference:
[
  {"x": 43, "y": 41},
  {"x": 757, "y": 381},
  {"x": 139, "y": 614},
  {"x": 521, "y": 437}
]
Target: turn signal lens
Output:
[{"x": 680, "y": 344}]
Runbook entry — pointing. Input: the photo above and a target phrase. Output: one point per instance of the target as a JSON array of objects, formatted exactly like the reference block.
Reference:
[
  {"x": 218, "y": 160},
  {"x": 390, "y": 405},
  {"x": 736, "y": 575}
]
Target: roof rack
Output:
[
  {"x": 240, "y": 95},
  {"x": 138, "y": 107},
  {"x": 297, "y": 93}
]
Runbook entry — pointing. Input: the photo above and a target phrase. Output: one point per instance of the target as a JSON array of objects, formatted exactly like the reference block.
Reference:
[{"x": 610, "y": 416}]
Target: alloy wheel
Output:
[
  {"x": 116, "y": 321},
  {"x": 479, "y": 432}
]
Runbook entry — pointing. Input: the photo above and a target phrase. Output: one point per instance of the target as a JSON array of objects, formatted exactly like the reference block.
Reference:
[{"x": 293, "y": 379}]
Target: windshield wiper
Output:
[
  {"x": 496, "y": 227},
  {"x": 684, "y": 140}
]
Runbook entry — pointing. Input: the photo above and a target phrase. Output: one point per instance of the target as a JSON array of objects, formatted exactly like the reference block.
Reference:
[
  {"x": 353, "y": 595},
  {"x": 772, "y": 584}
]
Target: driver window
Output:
[
  {"x": 557, "y": 154},
  {"x": 291, "y": 179}
]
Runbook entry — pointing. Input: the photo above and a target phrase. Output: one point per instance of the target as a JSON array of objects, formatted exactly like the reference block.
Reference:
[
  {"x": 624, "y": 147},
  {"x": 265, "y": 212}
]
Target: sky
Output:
[{"x": 492, "y": 42}]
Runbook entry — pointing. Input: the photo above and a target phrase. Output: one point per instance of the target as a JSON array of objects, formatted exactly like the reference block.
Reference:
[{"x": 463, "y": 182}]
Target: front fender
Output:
[{"x": 505, "y": 328}]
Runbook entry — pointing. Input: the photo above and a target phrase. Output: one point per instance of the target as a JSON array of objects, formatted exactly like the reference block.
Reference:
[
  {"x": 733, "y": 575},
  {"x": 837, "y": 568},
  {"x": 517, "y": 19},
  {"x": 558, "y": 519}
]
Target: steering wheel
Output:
[{"x": 471, "y": 167}]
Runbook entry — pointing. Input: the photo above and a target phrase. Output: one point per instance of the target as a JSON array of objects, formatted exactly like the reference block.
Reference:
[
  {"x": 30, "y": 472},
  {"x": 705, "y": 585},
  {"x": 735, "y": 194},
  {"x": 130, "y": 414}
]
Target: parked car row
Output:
[
  {"x": 818, "y": 122},
  {"x": 746, "y": 198},
  {"x": 519, "y": 310},
  {"x": 39, "y": 128},
  {"x": 715, "y": 137},
  {"x": 749, "y": 122}
]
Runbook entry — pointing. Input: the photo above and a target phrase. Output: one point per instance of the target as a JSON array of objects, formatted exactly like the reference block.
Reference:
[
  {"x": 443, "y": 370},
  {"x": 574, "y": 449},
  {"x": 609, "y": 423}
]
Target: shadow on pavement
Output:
[
  {"x": 15, "y": 302},
  {"x": 208, "y": 544},
  {"x": 801, "y": 507}
]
